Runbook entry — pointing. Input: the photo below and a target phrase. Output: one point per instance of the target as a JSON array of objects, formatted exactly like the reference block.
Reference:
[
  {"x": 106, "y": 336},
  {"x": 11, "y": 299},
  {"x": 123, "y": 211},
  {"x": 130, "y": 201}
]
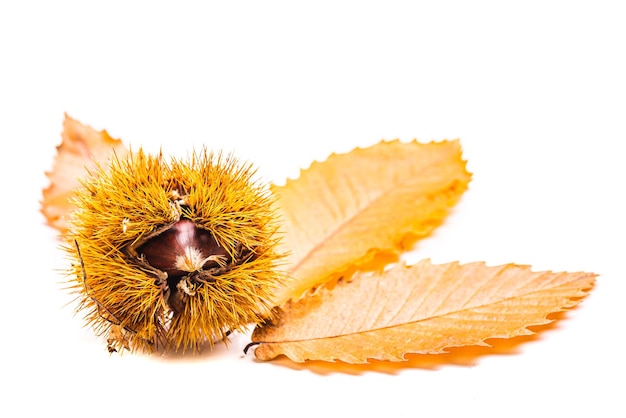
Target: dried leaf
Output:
[
  {"x": 422, "y": 309},
  {"x": 81, "y": 148},
  {"x": 343, "y": 212}
]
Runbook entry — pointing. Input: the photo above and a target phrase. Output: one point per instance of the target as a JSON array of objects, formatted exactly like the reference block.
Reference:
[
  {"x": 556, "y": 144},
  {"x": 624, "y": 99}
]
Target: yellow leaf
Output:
[
  {"x": 343, "y": 212},
  {"x": 81, "y": 148},
  {"x": 422, "y": 309}
]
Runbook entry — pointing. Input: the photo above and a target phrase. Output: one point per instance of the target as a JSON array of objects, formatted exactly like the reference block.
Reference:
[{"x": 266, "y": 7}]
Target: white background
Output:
[{"x": 535, "y": 90}]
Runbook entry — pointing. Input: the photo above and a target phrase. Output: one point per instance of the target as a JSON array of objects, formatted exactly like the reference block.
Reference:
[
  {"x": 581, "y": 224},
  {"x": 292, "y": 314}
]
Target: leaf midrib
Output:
[
  {"x": 350, "y": 220},
  {"x": 582, "y": 279}
]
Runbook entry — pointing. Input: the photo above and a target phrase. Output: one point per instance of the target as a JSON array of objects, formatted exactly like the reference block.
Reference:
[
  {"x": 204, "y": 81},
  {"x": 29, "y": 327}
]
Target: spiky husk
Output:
[{"x": 129, "y": 200}]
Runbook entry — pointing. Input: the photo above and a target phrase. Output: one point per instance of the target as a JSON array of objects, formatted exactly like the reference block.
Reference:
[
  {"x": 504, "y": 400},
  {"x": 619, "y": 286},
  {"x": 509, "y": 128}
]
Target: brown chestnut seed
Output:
[{"x": 188, "y": 254}]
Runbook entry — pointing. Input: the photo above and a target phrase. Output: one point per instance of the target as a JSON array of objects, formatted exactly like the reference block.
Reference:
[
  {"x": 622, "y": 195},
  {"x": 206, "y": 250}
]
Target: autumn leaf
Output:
[
  {"x": 81, "y": 148},
  {"x": 341, "y": 213},
  {"x": 422, "y": 309}
]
